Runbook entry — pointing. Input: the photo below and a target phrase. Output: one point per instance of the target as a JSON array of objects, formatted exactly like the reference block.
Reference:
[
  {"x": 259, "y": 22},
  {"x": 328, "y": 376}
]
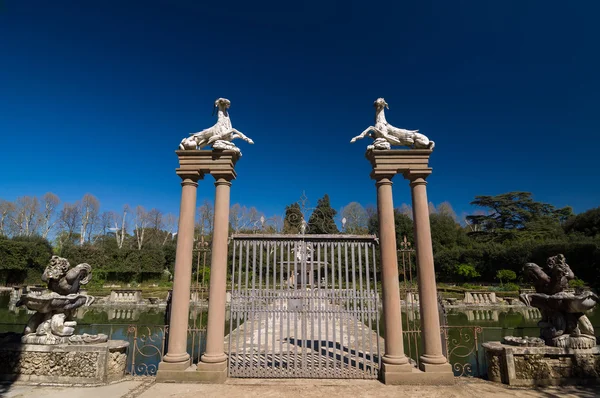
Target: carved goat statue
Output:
[
  {"x": 219, "y": 135},
  {"x": 386, "y": 135}
]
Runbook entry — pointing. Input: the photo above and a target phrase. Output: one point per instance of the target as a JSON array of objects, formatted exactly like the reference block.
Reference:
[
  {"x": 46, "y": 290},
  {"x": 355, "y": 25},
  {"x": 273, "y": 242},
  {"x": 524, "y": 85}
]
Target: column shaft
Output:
[
  {"x": 430, "y": 321},
  {"x": 215, "y": 330},
  {"x": 394, "y": 345},
  {"x": 180, "y": 304}
]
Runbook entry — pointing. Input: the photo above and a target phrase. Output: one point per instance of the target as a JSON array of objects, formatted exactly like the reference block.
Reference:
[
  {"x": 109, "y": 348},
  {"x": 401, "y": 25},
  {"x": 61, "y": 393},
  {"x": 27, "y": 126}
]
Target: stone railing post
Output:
[{"x": 177, "y": 357}]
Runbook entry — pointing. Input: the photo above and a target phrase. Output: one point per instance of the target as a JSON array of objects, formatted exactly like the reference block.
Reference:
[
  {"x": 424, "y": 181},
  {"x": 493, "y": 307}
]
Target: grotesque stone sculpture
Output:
[
  {"x": 563, "y": 323},
  {"x": 53, "y": 323},
  {"x": 386, "y": 135},
  {"x": 220, "y": 135}
]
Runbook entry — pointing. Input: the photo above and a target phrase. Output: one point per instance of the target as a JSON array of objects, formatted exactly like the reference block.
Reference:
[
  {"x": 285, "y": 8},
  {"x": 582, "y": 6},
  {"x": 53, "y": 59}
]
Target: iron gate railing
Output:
[{"x": 304, "y": 306}]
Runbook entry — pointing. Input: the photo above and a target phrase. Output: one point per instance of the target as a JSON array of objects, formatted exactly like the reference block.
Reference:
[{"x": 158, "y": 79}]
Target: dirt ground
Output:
[{"x": 235, "y": 388}]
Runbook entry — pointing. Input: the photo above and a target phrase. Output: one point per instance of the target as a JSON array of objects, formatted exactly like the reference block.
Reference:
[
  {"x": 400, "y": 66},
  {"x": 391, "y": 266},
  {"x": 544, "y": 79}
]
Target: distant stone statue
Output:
[
  {"x": 563, "y": 323},
  {"x": 53, "y": 322},
  {"x": 386, "y": 135},
  {"x": 220, "y": 135}
]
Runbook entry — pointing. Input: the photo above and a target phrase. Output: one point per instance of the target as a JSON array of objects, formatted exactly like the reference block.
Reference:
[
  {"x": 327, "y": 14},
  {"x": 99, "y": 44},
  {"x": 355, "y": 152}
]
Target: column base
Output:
[
  {"x": 170, "y": 372},
  {"x": 209, "y": 373},
  {"x": 435, "y": 368},
  {"x": 212, "y": 372},
  {"x": 407, "y": 374}
]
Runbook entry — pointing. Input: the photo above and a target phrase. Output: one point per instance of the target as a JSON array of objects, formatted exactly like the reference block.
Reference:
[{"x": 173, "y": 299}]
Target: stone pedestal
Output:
[
  {"x": 413, "y": 164},
  {"x": 176, "y": 366},
  {"x": 541, "y": 366},
  {"x": 92, "y": 364}
]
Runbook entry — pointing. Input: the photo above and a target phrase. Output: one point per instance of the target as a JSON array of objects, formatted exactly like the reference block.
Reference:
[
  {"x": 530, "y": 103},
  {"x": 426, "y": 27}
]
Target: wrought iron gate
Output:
[{"x": 304, "y": 306}]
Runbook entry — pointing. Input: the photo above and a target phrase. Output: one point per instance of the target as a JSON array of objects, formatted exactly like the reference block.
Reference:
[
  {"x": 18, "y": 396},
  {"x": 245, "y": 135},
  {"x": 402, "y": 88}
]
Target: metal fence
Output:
[{"x": 304, "y": 306}]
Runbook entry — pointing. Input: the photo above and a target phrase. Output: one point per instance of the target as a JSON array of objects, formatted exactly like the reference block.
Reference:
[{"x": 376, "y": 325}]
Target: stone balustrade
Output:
[
  {"x": 124, "y": 314},
  {"x": 126, "y": 296},
  {"x": 480, "y": 298}
]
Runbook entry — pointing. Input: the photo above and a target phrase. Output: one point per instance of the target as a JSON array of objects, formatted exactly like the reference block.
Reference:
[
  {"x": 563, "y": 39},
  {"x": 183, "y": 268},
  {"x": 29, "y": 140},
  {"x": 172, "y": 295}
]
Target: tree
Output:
[
  {"x": 586, "y": 223},
  {"x": 445, "y": 209},
  {"x": 432, "y": 209},
  {"x": 404, "y": 226},
  {"x": 140, "y": 222},
  {"x": 322, "y": 219},
  {"x": 26, "y": 216},
  {"x": 292, "y": 222},
  {"x": 90, "y": 206},
  {"x": 70, "y": 219},
  {"x": 48, "y": 217},
  {"x": 6, "y": 210},
  {"x": 445, "y": 232},
  {"x": 356, "y": 218},
  {"x": 405, "y": 210},
  {"x": 243, "y": 218},
  {"x": 105, "y": 222},
  {"x": 466, "y": 271},
  {"x": 510, "y": 213},
  {"x": 506, "y": 275},
  {"x": 371, "y": 211},
  {"x": 120, "y": 228},
  {"x": 170, "y": 224},
  {"x": 206, "y": 215}
]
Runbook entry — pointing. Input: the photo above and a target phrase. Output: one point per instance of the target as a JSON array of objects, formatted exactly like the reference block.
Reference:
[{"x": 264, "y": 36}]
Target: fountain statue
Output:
[
  {"x": 53, "y": 322},
  {"x": 566, "y": 351},
  {"x": 563, "y": 323}
]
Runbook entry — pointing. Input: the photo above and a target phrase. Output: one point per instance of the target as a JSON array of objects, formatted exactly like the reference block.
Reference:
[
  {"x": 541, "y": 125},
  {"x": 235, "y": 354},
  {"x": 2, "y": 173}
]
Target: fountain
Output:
[
  {"x": 566, "y": 351},
  {"x": 49, "y": 351}
]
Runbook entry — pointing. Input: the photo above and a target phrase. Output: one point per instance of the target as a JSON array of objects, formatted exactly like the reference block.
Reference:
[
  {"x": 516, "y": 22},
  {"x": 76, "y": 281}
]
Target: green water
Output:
[{"x": 144, "y": 328}]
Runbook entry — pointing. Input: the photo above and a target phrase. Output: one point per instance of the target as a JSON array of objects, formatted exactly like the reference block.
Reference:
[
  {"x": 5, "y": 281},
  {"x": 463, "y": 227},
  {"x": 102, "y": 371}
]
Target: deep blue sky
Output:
[{"x": 96, "y": 95}]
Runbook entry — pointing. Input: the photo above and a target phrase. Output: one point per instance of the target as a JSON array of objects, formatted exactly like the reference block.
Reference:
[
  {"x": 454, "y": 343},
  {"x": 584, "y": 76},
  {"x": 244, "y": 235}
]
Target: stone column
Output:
[
  {"x": 177, "y": 357},
  {"x": 394, "y": 356},
  {"x": 213, "y": 365},
  {"x": 414, "y": 165},
  {"x": 433, "y": 359},
  {"x": 176, "y": 366}
]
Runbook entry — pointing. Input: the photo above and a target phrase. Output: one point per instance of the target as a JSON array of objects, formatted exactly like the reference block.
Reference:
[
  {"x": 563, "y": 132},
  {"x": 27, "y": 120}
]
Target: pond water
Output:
[{"x": 144, "y": 328}]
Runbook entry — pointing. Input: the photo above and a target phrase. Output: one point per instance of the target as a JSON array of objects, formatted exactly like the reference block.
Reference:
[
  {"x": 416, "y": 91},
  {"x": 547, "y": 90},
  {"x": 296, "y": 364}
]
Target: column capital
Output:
[
  {"x": 189, "y": 177},
  {"x": 383, "y": 179},
  {"x": 222, "y": 180},
  {"x": 220, "y": 164},
  {"x": 388, "y": 163},
  {"x": 417, "y": 177}
]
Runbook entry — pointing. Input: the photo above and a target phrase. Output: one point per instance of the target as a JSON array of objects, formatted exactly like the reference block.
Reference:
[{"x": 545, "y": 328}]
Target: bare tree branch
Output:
[{"x": 48, "y": 220}]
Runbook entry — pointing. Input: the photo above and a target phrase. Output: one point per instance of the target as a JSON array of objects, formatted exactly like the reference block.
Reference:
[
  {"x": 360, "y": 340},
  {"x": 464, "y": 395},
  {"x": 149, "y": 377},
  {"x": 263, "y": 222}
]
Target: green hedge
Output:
[
  {"x": 23, "y": 259},
  {"x": 488, "y": 258}
]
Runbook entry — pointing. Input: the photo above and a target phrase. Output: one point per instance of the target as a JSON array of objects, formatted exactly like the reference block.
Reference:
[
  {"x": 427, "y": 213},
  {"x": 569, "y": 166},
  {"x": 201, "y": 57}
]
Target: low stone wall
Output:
[
  {"x": 541, "y": 366},
  {"x": 64, "y": 364}
]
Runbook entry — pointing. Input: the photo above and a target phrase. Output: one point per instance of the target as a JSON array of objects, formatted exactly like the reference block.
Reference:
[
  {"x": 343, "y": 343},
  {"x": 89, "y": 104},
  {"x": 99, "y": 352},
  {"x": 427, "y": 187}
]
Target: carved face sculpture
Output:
[{"x": 380, "y": 104}]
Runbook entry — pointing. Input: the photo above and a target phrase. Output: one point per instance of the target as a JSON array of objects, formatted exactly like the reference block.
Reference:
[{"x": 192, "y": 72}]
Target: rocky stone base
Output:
[
  {"x": 542, "y": 366},
  {"x": 64, "y": 364}
]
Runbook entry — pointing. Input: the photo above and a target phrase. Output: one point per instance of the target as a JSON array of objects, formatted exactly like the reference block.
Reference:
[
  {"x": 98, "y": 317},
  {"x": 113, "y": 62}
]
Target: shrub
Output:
[
  {"x": 506, "y": 275},
  {"x": 509, "y": 287},
  {"x": 575, "y": 283},
  {"x": 466, "y": 271}
]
